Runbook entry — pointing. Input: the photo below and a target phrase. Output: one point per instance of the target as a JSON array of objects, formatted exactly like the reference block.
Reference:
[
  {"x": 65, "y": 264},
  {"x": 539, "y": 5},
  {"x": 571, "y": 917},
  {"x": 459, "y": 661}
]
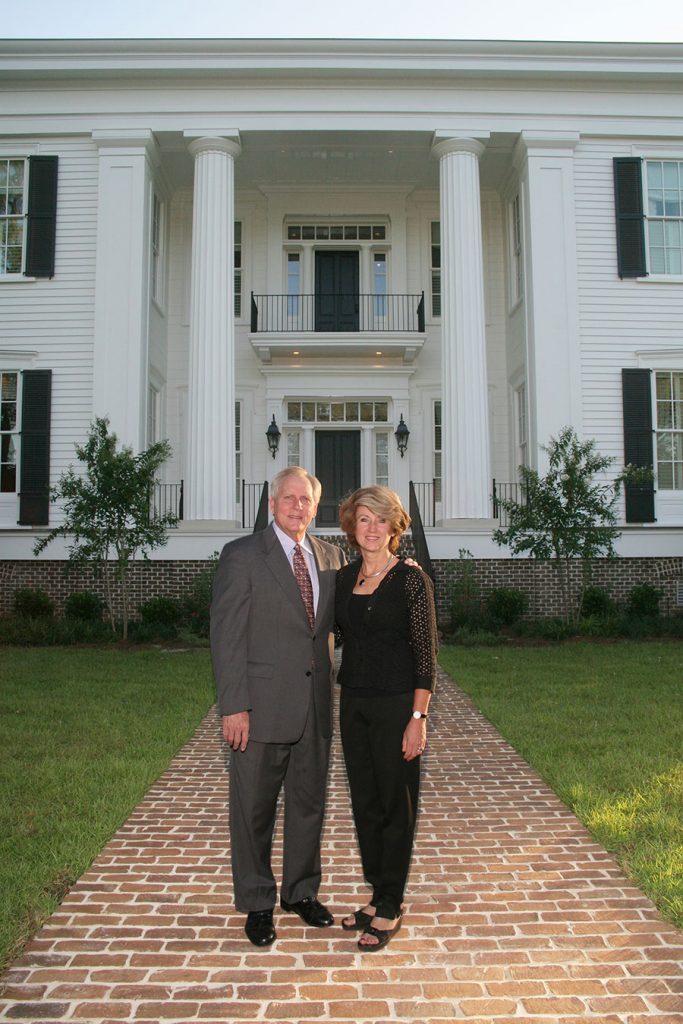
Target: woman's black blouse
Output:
[{"x": 393, "y": 647}]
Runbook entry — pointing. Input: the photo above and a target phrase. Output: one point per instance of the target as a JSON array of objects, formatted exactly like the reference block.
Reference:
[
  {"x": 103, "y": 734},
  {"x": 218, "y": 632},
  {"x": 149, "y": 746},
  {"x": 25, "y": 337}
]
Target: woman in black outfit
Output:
[{"x": 387, "y": 622}]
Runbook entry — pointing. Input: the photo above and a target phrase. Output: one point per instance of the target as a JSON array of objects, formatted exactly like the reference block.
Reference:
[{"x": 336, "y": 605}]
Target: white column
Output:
[
  {"x": 466, "y": 472},
  {"x": 121, "y": 330},
  {"x": 545, "y": 161},
  {"x": 210, "y": 475}
]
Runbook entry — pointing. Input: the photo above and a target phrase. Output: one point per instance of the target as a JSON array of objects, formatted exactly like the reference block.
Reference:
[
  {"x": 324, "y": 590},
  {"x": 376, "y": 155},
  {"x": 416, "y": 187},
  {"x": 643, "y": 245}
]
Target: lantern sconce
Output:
[
  {"x": 402, "y": 434},
  {"x": 273, "y": 435}
]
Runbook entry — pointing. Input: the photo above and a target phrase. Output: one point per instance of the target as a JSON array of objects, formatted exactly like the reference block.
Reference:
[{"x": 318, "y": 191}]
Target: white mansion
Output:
[{"x": 474, "y": 244}]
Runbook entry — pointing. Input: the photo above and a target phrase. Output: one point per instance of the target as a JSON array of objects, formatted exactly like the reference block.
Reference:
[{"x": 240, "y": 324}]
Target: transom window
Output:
[
  {"x": 9, "y": 431},
  {"x": 669, "y": 402},
  {"x": 338, "y": 412},
  {"x": 664, "y": 205},
  {"x": 12, "y": 206},
  {"x": 336, "y": 232}
]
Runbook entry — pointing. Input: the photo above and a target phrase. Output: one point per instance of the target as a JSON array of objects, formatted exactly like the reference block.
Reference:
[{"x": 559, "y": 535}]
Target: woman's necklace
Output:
[{"x": 371, "y": 575}]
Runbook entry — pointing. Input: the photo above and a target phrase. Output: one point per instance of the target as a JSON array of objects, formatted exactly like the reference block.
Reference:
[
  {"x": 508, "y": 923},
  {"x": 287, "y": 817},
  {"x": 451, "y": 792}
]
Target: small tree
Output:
[
  {"x": 567, "y": 515},
  {"x": 107, "y": 511}
]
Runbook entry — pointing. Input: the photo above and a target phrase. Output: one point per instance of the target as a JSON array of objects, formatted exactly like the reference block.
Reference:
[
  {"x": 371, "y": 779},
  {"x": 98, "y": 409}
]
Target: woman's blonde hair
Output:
[{"x": 384, "y": 503}]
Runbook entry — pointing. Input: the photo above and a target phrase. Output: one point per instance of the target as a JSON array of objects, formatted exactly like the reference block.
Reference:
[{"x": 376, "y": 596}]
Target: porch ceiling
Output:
[{"x": 322, "y": 158}]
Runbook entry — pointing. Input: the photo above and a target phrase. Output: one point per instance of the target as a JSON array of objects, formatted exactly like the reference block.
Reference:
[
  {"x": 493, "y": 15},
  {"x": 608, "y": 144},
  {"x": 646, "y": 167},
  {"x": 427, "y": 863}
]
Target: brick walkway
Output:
[{"x": 514, "y": 913}]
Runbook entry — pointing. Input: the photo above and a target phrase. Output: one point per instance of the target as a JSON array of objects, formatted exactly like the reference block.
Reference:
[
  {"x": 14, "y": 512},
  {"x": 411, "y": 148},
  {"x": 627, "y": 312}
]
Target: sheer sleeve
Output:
[{"x": 423, "y": 633}]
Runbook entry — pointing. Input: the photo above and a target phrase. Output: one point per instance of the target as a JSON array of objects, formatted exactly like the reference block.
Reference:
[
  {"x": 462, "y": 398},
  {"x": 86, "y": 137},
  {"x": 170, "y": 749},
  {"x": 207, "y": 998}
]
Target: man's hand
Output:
[{"x": 236, "y": 730}]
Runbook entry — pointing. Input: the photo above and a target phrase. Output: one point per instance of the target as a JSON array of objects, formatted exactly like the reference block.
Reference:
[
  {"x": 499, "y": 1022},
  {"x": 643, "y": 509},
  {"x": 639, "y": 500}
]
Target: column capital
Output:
[
  {"x": 127, "y": 141},
  {"x": 214, "y": 142},
  {"x": 444, "y": 142},
  {"x": 539, "y": 143}
]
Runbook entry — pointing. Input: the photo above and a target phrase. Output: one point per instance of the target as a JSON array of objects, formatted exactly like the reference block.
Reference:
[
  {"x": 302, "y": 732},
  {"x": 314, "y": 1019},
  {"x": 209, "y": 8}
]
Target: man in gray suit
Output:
[{"x": 271, "y": 647}]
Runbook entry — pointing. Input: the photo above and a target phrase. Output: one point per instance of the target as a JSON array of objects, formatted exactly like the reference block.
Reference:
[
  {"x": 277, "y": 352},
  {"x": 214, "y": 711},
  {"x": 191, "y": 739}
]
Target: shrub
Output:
[
  {"x": 197, "y": 604},
  {"x": 468, "y": 637},
  {"x": 505, "y": 605},
  {"x": 465, "y": 599},
  {"x": 152, "y": 631},
  {"x": 49, "y": 632},
  {"x": 643, "y": 601},
  {"x": 597, "y": 603},
  {"x": 84, "y": 605},
  {"x": 32, "y": 604},
  {"x": 160, "y": 610}
]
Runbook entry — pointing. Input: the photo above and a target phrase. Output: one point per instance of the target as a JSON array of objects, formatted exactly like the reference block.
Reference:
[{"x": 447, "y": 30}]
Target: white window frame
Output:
[
  {"x": 14, "y": 433},
  {"x": 435, "y": 272},
  {"x": 238, "y": 269},
  {"x": 516, "y": 254},
  {"x": 653, "y": 218},
  {"x": 437, "y": 447},
  {"x": 15, "y": 217},
  {"x": 521, "y": 411},
  {"x": 673, "y": 431},
  {"x": 382, "y": 463},
  {"x": 158, "y": 249}
]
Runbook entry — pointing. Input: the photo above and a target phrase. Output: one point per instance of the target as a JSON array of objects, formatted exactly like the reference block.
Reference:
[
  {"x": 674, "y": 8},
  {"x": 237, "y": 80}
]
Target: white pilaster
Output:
[
  {"x": 546, "y": 167},
  {"x": 466, "y": 472},
  {"x": 121, "y": 330},
  {"x": 210, "y": 474}
]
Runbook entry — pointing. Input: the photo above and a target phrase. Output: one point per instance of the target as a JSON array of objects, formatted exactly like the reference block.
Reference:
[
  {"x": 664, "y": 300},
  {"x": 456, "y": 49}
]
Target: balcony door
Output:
[
  {"x": 336, "y": 290},
  {"x": 337, "y": 467}
]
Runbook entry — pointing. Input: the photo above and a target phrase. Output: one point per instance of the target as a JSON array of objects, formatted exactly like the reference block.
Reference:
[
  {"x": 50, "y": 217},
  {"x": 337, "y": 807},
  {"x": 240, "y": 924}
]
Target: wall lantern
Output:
[
  {"x": 273, "y": 435},
  {"x": 402, "y": 434}
]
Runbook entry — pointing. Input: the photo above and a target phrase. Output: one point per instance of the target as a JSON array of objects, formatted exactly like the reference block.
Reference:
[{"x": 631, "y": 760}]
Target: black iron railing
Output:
[
  {"x": 417, "y": 529},
  {"x": 351, "y": 313},
  {"x": 165, "y": 498},
  {"x": 425, "y": 495},
  {"x": 506, "y": 492}
]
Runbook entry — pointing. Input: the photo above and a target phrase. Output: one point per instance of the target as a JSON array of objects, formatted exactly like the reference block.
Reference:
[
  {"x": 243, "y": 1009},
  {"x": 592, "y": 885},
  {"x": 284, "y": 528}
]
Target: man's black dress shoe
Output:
[
  {"x": 259, "y": 927},
  {"x": 311, "y": 911}
]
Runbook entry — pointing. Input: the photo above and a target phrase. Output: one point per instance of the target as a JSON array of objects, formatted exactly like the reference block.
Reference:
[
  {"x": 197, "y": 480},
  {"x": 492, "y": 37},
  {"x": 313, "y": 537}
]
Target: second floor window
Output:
[
  {"x": 238, "y": 269},
  {"x": 12, "y": 207},
  {"x": 664, "y": 206},
  {"x": 9, "y": 431},
  {"x": 436, "y": 453},
  {"x": 435, "y": 267}
]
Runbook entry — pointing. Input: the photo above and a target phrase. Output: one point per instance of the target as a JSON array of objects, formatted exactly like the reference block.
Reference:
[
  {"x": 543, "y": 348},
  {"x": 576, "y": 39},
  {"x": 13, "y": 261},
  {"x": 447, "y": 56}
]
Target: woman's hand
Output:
[{"x": 414, "y": 738}]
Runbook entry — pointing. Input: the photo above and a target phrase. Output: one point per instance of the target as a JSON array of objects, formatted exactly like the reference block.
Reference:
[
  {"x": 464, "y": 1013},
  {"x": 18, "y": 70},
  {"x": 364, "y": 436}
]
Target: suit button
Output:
[{"x": 309, "y": 673}]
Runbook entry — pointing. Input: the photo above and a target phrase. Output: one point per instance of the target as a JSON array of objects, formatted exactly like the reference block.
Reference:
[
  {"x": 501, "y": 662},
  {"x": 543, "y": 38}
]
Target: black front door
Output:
[
  {"x": 337, "y": 467},
  {"x": 336, "y": 291}
]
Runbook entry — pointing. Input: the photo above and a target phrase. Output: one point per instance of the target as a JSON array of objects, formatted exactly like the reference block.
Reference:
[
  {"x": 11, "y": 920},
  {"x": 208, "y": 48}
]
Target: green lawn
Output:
[
  {"x": 603, "y": 725},
  {"x": 83, "y": 733}
]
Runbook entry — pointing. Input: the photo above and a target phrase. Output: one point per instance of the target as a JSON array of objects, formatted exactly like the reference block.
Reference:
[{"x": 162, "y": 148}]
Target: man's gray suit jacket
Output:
[{"x": 266, "y": 658}]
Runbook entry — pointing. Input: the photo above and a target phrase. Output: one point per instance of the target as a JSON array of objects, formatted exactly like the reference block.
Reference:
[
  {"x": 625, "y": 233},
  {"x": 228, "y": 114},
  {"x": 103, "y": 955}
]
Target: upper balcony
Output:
[{"x": 352, "y": 324}]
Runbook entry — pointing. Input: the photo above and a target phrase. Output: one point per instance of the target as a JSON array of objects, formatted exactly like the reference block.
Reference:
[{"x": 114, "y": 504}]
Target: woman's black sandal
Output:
[
  {"x": 383, "y": 936},
  {"x": 361, "y": 920}
]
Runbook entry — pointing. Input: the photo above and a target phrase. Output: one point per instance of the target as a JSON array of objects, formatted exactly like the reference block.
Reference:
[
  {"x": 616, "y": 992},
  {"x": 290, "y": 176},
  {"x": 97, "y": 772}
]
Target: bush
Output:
[
  {"x": 32, "y": 604},
  {"x": 84, "y": 605},
  {"x": 151, "y": 632},
  {"x": 505, "y": 605},
  {"x": 160, "y": 611},
  {"x": 464, "y": 596},
  {"x": 643, "y": 601},
  {"x": 197, "y": 604},
  {"x": 467, "y": 637},
  {"x": 48, "y": 632},
  {"x": 597, "y": 603}
]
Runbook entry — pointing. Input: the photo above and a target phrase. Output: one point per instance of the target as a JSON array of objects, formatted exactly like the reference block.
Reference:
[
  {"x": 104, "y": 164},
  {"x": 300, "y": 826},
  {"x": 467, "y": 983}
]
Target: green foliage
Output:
[
  {"x": 106, "y": 510},
  {"x": 464, "y": 594},
  {"x": 567, "y": 514},
  {"x": 49, "y": 632},
  {"x": 197, "y": 604},
  {"x": 643, "y": 600},
  {"x": 32, "y": 604},
  {"x": 162, "y": 610},
  {"x": 597, "y": 603},
  {"x": 467, "y": 636},
  {"x": 506, "y": 605},
  {"x": 84, "y": 605}
]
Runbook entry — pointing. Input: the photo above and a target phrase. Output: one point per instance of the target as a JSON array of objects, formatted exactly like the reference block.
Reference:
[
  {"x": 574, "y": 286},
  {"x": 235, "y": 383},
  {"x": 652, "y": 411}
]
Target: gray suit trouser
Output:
[{"x": 256, "y": 777}]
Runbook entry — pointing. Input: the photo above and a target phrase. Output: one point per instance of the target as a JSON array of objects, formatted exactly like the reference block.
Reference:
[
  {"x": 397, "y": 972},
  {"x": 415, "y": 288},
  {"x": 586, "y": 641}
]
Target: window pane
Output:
[
  {"x": 324, "y": 412},
  {"x": 366, "y": 411},
  {"x": 352, "y": 412},
  {"x": 381, "y": 412},
  {"x": 294, "y": 411},
  {"x": 654, "y": 174},
  {"x": 664, "y": 419},
  {"x": 337, "y": 412},
  {"x": 308, "y": 412},
  {"x": 665, "y": 476}
]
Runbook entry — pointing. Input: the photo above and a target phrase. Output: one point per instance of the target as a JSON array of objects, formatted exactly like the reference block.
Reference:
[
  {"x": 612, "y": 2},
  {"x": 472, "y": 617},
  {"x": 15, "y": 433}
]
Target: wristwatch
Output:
[{"x": 418, "y": 714}]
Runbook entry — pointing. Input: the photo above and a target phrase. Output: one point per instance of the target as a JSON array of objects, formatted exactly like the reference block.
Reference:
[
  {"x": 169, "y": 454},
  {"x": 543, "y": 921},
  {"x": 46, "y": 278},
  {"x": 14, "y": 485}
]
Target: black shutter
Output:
[
  {"x": 34, "y": 480},
  {"x": 42, "y": 216},
  {"x": 628, "y": 202},
  {"x": 637, "y": 404}
]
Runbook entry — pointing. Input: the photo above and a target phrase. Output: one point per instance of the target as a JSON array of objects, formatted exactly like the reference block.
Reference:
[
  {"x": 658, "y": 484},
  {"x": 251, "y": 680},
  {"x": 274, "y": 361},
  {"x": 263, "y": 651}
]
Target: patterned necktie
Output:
[{"x": 304, "y": 581}]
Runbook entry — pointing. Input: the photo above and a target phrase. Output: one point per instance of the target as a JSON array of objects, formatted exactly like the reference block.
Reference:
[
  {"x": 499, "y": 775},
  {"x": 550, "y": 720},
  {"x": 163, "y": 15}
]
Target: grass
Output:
[
  {"x": 84, "y": 733},
  {"x": 602, "y": 724}
]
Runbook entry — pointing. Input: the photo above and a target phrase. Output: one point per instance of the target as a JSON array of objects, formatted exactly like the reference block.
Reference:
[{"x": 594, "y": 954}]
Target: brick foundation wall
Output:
[{"x": 537, "y": 579}]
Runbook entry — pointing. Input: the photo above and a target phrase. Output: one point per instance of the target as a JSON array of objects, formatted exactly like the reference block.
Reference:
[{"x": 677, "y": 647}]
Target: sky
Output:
[{"x": 562, "y": 20}]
